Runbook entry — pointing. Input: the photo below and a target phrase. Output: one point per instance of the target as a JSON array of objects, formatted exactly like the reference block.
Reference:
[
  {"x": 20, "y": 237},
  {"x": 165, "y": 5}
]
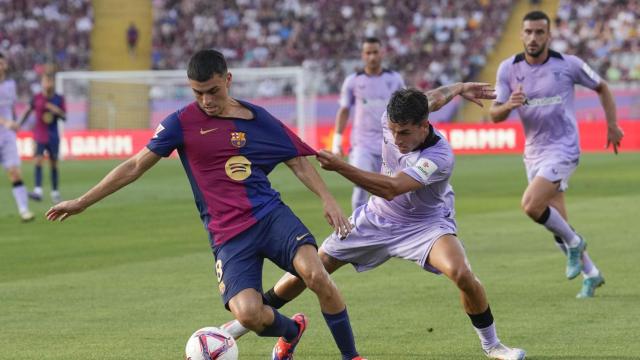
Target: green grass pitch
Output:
[{"x": 133, "y": 277}]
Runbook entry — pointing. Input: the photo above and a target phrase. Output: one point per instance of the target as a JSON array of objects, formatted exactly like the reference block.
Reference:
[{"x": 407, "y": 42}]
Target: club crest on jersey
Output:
[
  {"x": 238, "y": 139},
  {"x": 556, "y": 74}
]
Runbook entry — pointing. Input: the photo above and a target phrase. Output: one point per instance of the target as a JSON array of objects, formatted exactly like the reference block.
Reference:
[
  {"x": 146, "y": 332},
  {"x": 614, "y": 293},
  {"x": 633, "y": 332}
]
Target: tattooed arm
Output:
[{"x": 471, "y": 91}]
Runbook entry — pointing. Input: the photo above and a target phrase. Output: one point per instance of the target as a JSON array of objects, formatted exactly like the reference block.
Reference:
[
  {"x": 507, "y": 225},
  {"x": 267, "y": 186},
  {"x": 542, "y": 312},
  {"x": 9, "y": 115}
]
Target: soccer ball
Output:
[{"x": 211, "y": 343}]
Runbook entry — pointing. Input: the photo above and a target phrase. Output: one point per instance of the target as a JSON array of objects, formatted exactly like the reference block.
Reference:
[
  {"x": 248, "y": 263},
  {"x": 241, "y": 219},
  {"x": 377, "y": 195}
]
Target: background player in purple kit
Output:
[
  {"x": 539, "y": 83},
  {"x": 227, "y": 148},
  {"x": 8, "y": 147},
  {"x": 411, "y": 214},
  {"x": 368, "y": 92},
  {"x": 49, "y": 107}
]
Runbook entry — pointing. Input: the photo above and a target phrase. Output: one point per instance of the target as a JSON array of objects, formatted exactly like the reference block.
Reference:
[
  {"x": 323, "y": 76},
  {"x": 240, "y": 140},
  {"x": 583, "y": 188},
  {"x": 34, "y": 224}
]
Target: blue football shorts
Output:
[{"x": 276, "y": 237}]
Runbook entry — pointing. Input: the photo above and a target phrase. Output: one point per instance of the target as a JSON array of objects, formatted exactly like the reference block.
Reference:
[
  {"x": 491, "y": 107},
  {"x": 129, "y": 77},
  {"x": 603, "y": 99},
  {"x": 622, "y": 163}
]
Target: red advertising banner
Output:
[
  {"x": 509, "y": 137},
  {"x": 464, "y": 138}
]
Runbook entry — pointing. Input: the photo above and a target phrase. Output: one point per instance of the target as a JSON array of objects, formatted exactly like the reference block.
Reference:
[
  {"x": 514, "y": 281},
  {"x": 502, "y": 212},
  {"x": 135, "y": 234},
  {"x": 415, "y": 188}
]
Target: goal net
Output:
[{"x": 116, "y": 100}]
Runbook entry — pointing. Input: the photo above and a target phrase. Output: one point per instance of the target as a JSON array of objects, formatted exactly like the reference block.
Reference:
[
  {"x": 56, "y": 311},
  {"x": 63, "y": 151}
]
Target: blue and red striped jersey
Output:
[{"x": 227, "y": 161}]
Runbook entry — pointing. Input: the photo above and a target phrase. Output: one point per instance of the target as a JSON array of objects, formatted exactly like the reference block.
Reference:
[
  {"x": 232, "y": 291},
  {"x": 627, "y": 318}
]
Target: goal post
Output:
[{"x": 141, "y": 99}]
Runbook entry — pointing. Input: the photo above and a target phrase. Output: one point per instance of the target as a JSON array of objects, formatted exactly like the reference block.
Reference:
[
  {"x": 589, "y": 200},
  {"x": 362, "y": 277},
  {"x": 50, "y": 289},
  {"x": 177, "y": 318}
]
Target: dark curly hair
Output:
[{"x": 408, "y": 106}]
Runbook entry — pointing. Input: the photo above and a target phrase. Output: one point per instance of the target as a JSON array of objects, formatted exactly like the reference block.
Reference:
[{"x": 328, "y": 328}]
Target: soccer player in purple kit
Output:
[
  {"x": 49, "y": 107},
  {"x": 411, "y": 214},
  {"x": 539, "y": 83},
  {"x": 8, "y": 146},
  {"x": 368, "y": 92},
  {"x": 227, "y": 148}
]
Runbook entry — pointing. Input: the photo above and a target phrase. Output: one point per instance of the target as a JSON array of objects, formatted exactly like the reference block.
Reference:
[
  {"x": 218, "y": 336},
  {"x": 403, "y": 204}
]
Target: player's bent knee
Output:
[
  {"x": 532, "y": 208},
  {"x": 463, "y": 277},
  {"x": 318, "y": 280},
  {"x": 330, "y": 263},
  {"x": 249, "y": 316}
]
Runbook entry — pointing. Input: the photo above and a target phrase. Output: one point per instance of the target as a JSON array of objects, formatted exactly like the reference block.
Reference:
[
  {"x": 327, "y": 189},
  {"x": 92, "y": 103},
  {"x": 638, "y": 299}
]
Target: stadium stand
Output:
[
  {"x": 605, "y": 33},
  {"x": 431, "y": 44},
  {"x": 439, "y": 43},
  {"x": 37, "y": 32}
]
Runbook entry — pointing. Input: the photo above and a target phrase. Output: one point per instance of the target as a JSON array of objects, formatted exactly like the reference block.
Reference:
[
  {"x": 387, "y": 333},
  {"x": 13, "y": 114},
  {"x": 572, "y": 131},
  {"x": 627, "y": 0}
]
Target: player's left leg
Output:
[
  {"x": 448, "y": 256},
  {"x": 536, "y": 203},
  {"x": 592, "y": 278},
  {"x": 52, "y": 150},
  {"x": 20, "y": 194},
  {"x": 285, "y": 290},
  {"x": 316, "y": 278}
]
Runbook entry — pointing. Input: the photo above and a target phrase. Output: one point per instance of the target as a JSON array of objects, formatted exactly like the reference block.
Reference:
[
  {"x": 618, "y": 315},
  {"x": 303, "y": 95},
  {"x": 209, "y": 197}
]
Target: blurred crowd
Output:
[
  {"x": 605, "y": 33},
  {"x": 431, "y": 43},
  {"x": 34, "y": 33}
]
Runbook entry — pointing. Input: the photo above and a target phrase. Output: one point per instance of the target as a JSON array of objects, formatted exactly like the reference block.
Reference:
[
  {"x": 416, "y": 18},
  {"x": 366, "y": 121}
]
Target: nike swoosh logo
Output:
[
  {"x": 298, "y": 238},
  {"x": 204, "y": 132}
]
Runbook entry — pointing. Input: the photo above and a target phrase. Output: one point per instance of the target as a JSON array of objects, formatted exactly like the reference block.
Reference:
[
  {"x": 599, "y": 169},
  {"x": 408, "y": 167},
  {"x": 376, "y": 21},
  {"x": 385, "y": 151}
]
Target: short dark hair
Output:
[
  {"x": 206, "y": 63},
  {"x": 371, "y": 40},
  {"x": 537, "y": 15},
  {"x": 408, "y": 106}
]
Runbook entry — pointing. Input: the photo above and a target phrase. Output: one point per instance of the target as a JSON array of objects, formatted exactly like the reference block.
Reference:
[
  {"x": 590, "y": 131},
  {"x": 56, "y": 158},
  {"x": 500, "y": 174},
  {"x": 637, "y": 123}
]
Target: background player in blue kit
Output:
[
  {"x": 539, "y": 83},
  {"x": 49, "y": 107},
  {"x": 227, "y": 148}
]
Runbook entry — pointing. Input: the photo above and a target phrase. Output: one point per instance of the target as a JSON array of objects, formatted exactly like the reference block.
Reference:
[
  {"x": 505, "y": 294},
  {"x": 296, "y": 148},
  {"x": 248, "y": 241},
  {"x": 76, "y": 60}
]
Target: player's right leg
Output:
[
  {"x": 363, "y": 159},
  {"x": 592, "y": 278},
  {"x": 52, "y": 150},
  {"x": 239, "y": 272},
  {"x": 295, "y": 250},
  {"x": 284, "y": 291},
  {"x": 248, "y": 308},
  {"x": 11, "y": 162},
  {"x": 38, "y": 158},
  {"x": 448, "y": 256},
  {"x": 536, "y": 203},
  {"x": 311, "y": 270}
]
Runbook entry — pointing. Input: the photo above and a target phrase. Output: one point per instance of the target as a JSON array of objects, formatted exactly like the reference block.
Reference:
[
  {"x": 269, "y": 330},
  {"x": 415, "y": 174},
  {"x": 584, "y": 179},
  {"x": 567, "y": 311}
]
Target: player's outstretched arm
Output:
[
  {"x": 614, "y": 133},
  {"x": 122, "y": 175},
  {"x": 304, "y": 171},
  {"x": 471, "y": 91},
  {"x": 380, "y": 185}
]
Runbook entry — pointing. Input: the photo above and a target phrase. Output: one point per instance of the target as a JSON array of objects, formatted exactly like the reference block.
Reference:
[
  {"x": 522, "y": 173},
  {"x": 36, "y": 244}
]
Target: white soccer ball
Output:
[{"x": 211, "y": 343}]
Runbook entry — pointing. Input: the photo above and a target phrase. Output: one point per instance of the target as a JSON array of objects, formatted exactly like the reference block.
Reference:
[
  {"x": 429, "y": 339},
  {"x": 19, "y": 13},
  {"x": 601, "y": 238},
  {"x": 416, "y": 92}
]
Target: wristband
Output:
[{"x": 337, "y": 143}]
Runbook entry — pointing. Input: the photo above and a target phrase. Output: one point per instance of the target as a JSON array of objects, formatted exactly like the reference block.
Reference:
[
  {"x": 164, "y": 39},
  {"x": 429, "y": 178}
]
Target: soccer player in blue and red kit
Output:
[
  {"x": 49, "y": 107},
  {"x": 227, "y": 148}
]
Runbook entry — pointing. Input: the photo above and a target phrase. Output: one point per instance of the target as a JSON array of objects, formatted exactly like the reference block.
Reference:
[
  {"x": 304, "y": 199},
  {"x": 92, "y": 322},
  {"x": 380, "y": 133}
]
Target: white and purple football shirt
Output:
[
  {"x": 548, "y": 115},
  {"x": 431, "y": 165},
  {"x": 369, "y": 95},
  {"x": 7, "y": 101}
]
